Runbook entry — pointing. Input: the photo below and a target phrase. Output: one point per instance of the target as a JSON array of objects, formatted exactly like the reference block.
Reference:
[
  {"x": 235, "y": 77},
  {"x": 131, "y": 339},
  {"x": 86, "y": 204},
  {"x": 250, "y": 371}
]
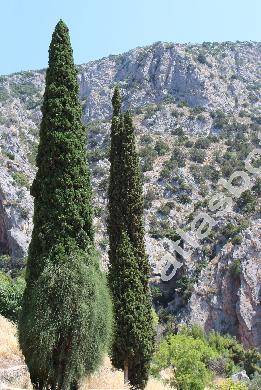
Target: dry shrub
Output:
[
  {"x": 9, "y": 348},
  {"x": 109, "y": 378},
  {"x": 13, "y": 371},
  {"x": 106, "y": 378}
]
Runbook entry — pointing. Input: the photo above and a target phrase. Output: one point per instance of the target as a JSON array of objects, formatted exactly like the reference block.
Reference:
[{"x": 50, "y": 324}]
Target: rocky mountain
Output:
[{"x": 197, "y": 115}]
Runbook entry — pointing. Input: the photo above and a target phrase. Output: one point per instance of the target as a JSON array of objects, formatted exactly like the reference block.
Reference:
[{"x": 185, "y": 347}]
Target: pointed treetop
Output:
[
  {"x": 116, "y": 101},
  {"x": 61, "y": 29},
  {"x": 60, "y": 47},
  {"x": 61, "y": 24}
]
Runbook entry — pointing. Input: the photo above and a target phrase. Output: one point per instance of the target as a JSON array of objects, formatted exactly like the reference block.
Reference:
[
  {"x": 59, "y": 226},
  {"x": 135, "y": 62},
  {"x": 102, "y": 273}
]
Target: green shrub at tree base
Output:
[
  {"x": 11, "y": 294},
  {"x": 189, "y": 357},
  {"x": 196, "y": 357}
]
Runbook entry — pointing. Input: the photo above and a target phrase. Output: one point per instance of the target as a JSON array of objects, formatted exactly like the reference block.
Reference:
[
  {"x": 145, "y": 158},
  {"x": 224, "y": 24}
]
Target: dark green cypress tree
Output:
[
  {"x": 66, "y": 315},
  {"x": 115, "y": 189},
  {"x": 129, "y": 267}
]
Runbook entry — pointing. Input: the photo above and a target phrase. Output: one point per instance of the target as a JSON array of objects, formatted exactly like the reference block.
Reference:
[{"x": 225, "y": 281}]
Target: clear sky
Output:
[{"x": 102, "y": 27}]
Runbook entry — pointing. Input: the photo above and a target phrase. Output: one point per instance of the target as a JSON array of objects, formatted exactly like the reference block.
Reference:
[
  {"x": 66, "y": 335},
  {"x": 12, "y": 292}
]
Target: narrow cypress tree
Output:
[
  {"x": 66, "y": 314},
  {"x": 129, "y": 268},
  {"x": 115, "y": 187}
]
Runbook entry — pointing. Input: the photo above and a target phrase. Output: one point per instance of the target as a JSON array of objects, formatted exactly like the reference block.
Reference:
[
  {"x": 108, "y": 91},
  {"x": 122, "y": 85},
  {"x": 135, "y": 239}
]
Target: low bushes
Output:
[
  {"x": 161, "y": 147},
  {"x": 189, "y": 357},
  {"x": 178, "y": 157},
  {"x": 197, "y": 155},
  {"x": 203, "y": 143},
  {"x": 247, "y": 202},
  {"x": 195, "y": 358},
  {"x": 11, "y": 292},
  {"x": 21, "y": 179}
]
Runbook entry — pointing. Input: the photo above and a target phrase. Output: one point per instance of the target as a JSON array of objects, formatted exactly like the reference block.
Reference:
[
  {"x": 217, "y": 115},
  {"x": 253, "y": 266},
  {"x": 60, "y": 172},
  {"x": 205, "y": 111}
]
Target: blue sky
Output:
[{"x": 102, "y": 27}]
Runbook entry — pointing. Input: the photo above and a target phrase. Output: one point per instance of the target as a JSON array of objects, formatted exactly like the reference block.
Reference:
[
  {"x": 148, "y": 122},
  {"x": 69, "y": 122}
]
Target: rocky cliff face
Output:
[
  {"x": 227, "y": 298},
  {"x": 196, "y": 113}
]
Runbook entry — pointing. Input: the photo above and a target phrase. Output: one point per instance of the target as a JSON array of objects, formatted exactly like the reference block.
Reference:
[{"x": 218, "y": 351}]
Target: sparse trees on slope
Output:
[
  {"x": 65, "y": 320},
  {"x": 129, "y": 268}
]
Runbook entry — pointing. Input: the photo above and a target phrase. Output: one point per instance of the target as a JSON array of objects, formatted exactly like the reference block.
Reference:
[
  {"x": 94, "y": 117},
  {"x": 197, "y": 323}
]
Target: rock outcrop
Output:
[{"x": 227, "y": 298}]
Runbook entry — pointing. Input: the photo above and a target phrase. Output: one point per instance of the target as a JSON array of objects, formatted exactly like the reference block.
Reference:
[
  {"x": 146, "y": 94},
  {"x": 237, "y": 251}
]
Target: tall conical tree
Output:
[
  {"x": 129, "y": 268},
  {"x": 115, "y": 185},
  {"x": 66, "y": 314}
]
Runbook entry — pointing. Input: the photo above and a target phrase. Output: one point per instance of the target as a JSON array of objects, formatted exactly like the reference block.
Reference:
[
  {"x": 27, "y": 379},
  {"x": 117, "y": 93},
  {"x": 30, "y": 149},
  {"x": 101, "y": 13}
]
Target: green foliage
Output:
[
  {"x": 147, "y": 163},
  {"x": 23, "y": 90},
  {"x": 162, "y": 231},
  {"x": 168, "y": 169},
  {"x": 129, "y": 267},
  {"x": 11, "y": 293},
  {"x": 182, "y": 104},
  {"x": 150, "y": 111},
  {"x": 148, "y": 155},
  {"x": 194, "y": 331},
  {"x": 175, "y": 113},
  {"x": 252, "y": 362},
  {"x": 198, "y": 110},
  {"x": 71, "y": 296},
  {"x": 161, "y": 147},
  {"x": 165, "y": 209},
  {"x": 185, "y": 285},
  {"x": 188, "y": 143},
  {"x": 232, "y": 230},
  {"x": 178, "y": 131},
  {"x": 21, "y": 179},
  {"x": 257, "y": 187},
  {"x": 203, "y": 143},
  {"x": 178, "y": 157},
  {"x": 255, "y": 383},
  {"x": 230, "y": 385},
  {"x": 65, "y": 318},
  {"x": 230, "y": 164},
  {"x": 197, "y": 155},
  {"x": 133, "y": 310},
  {"x": 228, "y": 346},
  {"x": 247, "y": 202},
  {"x": 150, "y": 196},
  {"x": 184, "y": 198},
  {"x": 202, "y": 59},
  {"x": 210, "y": 173},
  {"x": 220, "y": 120},
  {"x": 197, "y": 174},
  {"x": 10, "y": 155},
  {"x": 196, "y": 356},
  {"x": 5, "y": 262},
  {"x": 148, "y": 150},
  {"x": 4, "y": 95},
  {"x": 235, "y": 268},
  {"x": 189, "y": 356},
  {"x": 156, "y": 294},
  {"x": 146, "y": 139},
  {"x": 155, "y": 319}
]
